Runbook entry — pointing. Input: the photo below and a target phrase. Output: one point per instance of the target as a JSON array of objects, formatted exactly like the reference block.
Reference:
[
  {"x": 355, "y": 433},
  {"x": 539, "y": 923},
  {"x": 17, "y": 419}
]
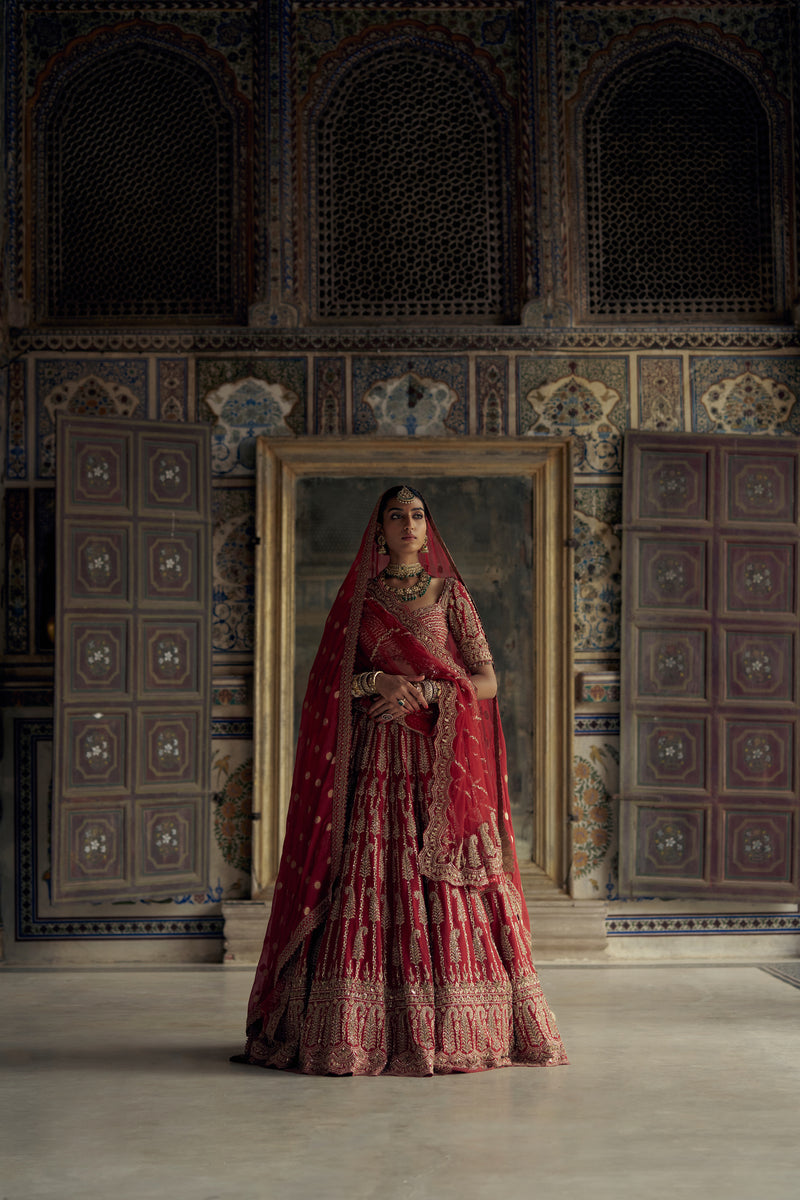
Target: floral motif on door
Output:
[
  {"x": 133, "y": 643},
  {"x": 710, "y": 795}
]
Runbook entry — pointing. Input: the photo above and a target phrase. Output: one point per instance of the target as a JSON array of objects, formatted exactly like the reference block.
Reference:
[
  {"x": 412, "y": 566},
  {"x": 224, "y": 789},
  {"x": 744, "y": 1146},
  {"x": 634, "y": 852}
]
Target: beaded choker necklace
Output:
[
  {"x": 403, "y": 570},
  {"x": 413, "y": 592}
]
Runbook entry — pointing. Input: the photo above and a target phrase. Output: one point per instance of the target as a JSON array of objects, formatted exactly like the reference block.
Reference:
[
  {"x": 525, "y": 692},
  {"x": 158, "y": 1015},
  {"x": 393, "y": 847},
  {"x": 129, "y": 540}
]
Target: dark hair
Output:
[{"x": 390, "y": 494}]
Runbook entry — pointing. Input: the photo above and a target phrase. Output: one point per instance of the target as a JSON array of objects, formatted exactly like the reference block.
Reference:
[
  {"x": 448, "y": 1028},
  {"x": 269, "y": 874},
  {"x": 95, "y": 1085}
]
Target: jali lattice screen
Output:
[
  {"x": 679, "y": 192},
  {"x": 140, "y": 210},
  {"x": 410, "y": 195}
]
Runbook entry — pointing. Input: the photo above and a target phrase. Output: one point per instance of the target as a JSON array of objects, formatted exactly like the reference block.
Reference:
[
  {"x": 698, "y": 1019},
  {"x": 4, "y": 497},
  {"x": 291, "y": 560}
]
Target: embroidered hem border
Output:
[{"x": 362, "y": 1028}]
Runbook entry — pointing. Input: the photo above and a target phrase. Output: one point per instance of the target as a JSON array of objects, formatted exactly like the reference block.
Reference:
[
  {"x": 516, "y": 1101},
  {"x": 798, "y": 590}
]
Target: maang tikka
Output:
[{"x": 406, "y": 496}]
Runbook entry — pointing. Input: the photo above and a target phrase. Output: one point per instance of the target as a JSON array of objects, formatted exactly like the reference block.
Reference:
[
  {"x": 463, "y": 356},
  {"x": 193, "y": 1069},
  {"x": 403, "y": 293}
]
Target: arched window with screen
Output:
[
  {"x": 681, "y": 192},
  {"x": 140, "y": 200},
  {"x": 409, "y": 194}
]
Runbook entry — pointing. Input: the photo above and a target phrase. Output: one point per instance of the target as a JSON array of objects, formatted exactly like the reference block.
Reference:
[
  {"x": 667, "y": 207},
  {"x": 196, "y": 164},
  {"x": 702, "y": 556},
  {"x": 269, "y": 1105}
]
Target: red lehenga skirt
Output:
[{"x": 408, "y": 976}]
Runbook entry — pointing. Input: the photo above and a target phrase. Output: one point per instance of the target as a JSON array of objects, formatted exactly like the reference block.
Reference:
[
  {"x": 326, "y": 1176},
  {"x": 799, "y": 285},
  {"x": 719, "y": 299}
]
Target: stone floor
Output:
[{"x": 684, "y": 1082}]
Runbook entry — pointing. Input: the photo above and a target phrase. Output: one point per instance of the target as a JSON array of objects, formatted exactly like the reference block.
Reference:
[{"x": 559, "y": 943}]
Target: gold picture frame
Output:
[{"x": 283, "y": 467}]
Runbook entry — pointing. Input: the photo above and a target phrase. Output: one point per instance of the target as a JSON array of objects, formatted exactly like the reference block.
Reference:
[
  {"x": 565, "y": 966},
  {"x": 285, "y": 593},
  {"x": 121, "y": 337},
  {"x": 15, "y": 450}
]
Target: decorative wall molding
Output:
[
  {"x": 703, "y": 925},
  {"x": 494, "y": 341}
]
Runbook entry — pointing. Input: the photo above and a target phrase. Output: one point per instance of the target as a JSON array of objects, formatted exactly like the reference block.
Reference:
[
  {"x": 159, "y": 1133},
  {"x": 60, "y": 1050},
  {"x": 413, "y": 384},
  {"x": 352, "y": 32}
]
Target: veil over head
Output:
[{"x": 468, "y": 839}]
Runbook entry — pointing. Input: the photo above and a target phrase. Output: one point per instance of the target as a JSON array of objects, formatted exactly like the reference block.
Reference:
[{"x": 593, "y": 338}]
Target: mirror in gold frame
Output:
[{"x": 505, "y": 511}]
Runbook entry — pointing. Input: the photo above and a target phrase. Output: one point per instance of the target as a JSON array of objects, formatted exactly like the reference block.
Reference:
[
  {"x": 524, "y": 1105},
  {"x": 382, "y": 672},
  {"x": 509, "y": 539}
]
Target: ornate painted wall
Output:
[{"x": 550, "y": 368}]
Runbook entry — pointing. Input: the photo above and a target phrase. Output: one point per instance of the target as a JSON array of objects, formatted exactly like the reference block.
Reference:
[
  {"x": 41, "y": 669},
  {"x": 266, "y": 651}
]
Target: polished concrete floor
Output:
[{"x": 684, "y": 1082}]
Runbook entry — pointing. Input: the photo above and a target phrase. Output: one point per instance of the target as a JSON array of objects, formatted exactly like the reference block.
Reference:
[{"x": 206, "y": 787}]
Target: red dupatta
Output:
[{"x": 468, "y": 840}]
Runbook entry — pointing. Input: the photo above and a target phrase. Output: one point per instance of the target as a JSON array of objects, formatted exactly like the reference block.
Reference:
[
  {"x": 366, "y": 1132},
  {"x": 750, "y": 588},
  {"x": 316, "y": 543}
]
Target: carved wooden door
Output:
[
  {"x": 133, "y": 648},
  {"x": 709, "y": 804}
]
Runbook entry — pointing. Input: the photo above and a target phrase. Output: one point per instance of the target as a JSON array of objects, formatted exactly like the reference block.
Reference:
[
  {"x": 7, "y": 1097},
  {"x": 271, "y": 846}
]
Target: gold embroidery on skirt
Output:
[
  {"x": 414, "y": 952},
  {"x": 358, "y": 942},
  {"x": 367, "y": 1028},
  {"x": 349, "y": 907},
  {"x": 353, "y": 1026}
]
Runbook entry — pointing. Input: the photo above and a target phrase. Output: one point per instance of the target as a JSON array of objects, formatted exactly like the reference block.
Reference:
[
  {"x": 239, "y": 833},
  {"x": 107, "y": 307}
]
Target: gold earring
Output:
[
  {"x": 425, "y": 546},
  {"x": 380, "y": 542}
]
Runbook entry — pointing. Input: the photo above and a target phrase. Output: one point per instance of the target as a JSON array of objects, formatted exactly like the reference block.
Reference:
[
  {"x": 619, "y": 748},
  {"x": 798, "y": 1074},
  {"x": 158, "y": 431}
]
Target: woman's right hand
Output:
[{"x": 397, "y": 696}]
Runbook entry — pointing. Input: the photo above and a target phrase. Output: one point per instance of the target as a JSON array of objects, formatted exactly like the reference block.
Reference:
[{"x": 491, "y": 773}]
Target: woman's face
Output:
[{"x": 404, "y": 527}]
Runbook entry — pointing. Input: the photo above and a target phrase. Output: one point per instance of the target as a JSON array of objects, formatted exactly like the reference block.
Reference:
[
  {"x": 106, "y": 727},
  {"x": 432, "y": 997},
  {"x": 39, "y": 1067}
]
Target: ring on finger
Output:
[{"x": 402, "y": 703}]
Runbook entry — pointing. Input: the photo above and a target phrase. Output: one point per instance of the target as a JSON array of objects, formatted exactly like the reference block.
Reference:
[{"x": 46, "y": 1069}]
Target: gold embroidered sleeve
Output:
[{"x": 465, "y": 626}]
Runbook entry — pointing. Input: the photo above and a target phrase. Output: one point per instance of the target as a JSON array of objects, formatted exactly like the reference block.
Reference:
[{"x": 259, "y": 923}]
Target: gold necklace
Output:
[
  {"x": 408, "y": 593},
  {"x": 403, "y": 570}
]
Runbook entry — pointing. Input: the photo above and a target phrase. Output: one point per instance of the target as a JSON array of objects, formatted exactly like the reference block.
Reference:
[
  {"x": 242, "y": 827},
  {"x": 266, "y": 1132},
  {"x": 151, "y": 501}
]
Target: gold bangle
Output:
[{"x": 364, "y": 684}]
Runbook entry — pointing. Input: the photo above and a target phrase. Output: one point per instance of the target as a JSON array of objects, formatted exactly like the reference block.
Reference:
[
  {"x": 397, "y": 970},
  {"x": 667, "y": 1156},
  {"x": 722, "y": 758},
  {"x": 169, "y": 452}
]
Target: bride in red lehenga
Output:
[{"x": 399, "y": 940}]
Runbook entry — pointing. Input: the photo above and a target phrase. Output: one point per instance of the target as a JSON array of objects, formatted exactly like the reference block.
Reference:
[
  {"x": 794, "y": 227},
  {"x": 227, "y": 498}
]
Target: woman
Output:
[{"x": 399, "y": 940}]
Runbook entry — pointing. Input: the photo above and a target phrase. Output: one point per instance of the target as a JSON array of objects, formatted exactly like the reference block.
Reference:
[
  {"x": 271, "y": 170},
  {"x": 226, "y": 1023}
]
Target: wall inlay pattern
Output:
[
  {"x": 173, "y": 389},
  {"x": 494, "y": 28},
  {"x": 593, "y": 818},
  {"x": 745, "y": 395},
  {"x": 248, "y": 398},
  {"x": 233, "y": 515},
  {"x": 330, "y": 399},
  {"x": 586, "y": 398},
  {"x": 603, "y": 725},
  {"x": 598, "y": 688},
  {"x": 17, "y": 631},
  {"x": 597, "y": 568},
  {"x": 703, "y": 924},
  {"x": 661, "y": 394},
  {"x": 228, "y": 27},
  {"x": 85, "y": 387},
  {"x": 492, "y": 395},
  {"x": 233, "y": 805},
  {"x": 16, "y": 423},
  {"x": 423, "y": 397}
]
